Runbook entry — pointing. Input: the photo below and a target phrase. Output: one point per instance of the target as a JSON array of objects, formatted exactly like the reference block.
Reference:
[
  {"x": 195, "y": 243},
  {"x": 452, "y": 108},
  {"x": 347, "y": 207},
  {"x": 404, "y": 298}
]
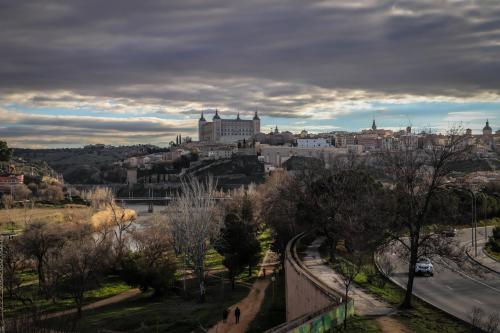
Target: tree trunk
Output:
[
  {"x": 345, "y": 306},
  {"x": 411, "y": 276},
  {"x": 249, "y": 270}
]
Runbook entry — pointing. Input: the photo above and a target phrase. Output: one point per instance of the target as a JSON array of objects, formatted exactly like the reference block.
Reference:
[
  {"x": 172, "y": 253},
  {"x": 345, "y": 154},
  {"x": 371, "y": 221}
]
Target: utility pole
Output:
[{"x": 2, "y": 321}]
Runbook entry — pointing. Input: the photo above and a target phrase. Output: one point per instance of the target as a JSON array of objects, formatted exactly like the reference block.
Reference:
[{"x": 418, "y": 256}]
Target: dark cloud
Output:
[
  {"x": 26, "y": 129},
  {"x": 95, "y": 47}
]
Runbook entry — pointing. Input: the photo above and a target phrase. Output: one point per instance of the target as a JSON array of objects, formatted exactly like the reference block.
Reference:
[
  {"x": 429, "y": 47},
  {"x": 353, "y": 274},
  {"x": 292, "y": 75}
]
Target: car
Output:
[
  {"x": 449, "y": 232},
  {"x": 424, "y": 267}
]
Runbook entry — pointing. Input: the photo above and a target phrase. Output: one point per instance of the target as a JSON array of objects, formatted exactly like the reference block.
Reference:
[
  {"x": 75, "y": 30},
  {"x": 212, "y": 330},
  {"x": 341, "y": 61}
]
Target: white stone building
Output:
[
  {"x": 227, "y": 130},
  {"x": 313, "y": 143}
]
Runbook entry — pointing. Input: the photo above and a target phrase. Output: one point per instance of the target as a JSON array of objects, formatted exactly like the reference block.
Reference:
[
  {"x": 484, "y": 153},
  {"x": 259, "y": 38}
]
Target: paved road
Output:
[{"x": 455, "y": 288}]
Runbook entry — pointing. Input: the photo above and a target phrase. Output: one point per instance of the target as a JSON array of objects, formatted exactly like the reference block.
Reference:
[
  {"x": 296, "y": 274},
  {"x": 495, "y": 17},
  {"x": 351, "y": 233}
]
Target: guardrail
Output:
[{"x": 322, "y": 319}]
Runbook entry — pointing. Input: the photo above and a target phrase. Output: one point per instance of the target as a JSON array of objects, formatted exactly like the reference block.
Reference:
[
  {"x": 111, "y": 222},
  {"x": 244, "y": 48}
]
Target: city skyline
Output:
[{"x": 82, "y": 72}]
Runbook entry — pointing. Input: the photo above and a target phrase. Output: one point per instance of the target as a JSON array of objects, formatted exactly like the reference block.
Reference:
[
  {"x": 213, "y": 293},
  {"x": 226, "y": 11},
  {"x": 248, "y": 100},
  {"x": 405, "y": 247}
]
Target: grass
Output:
[
  {"x": 273, "y": 309},
  {"x": 422, "y": 318},
  {"x": 13, "y": 307},
  {"x": 15, "y": 219},
  {"x": 489, "y": 250},
  {"x": 357, "y": 324},
  {"x": 170, "y": 314}
]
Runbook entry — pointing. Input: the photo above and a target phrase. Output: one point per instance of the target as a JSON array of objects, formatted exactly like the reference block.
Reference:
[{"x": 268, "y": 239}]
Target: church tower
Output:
[
  {"x": 374, "y": 126},
  {"x": 256, "y": 123},
  {"x": 217, "y": 126},
  {"x": 201, "y": 125},
  {"x": 488, "y": 134}
]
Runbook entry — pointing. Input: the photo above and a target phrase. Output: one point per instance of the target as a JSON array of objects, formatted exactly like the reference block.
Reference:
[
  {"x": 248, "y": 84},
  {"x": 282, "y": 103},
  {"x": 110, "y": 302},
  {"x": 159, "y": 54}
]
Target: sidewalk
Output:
[
  {"x": 483, "y": 259},
  {"x": 250, "y": 305},
  {"x": 364, "y": 303},
  {"x": 107, "y": 301}
]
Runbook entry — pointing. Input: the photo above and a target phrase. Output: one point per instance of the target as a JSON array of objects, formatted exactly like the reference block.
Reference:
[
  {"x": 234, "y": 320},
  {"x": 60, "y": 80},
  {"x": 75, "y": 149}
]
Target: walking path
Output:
[
  {"x": 364, "y": 304},
  {"x": 107, "y": 301},
  {"x": 250, "y": 305},
  {"x": 390, "y": 325}
]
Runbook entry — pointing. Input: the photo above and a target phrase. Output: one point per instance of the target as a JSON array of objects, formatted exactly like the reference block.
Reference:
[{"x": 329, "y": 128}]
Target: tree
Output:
[
  {"x": 13, "y": 262},
  {"x": 5, "y": 152},
  {"x": 194, "y": 221},
  {"x": 238, "y": 244},
  {"x": 37, "y": 241},
  {"x": 419, "y": 177},
  {"x": 81, "y": 262},
  {"x": 278, "y": 201},
  {"x": 113, "y": 219},
  {"x": 341, "y": 203},
  {"x": 151, "y": 265}
]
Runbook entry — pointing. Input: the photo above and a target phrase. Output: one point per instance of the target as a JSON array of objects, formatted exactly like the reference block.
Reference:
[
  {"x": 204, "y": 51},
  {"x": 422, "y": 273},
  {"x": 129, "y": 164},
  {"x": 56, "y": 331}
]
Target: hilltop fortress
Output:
[{"x": 227, "y": 130}]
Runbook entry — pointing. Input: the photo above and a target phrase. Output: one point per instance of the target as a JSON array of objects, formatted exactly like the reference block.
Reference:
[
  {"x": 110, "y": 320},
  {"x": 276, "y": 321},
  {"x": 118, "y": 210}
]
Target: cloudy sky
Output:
[{"x": 125, "y": 72}]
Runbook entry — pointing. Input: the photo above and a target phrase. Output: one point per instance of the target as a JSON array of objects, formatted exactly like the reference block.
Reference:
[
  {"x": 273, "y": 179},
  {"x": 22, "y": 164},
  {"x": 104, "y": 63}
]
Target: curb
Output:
[
  {"x": 480, "y": 263},
  {"x": 490, "y": 256}
]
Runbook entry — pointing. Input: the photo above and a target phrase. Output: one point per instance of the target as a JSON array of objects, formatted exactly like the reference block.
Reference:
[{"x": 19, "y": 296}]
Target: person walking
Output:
[
  {"x": 225, "y": 314},
  {"x": 237, "y": 314}
]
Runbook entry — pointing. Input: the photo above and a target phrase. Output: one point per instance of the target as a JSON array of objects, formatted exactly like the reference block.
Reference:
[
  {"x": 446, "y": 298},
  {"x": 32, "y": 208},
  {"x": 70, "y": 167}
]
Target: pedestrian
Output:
[
  {"x": 225, "y": 314},
  {"x": 237, "y": 313},
  {"x": 264, "y": 272}
]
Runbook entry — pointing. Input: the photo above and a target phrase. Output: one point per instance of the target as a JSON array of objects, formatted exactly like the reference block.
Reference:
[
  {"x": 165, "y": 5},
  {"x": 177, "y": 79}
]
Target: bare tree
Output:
[
  {"x": 119, "y": 221},
  {"x": 349, "y": 270},
  {"x": 278, "y": 199},
  {"x": 38, "y": 240},
  {"x": 492, "y": 322},
  {"x": 13, "y": 263},
  {"x": 195, "y": 221},
  {"x": 476, "y": 319},
  {"x": 122, "y": 221},
  {"x": 419, "y": 177},
  {"x": 386, "y": 266},
  {"x": 82, "y": 260}
]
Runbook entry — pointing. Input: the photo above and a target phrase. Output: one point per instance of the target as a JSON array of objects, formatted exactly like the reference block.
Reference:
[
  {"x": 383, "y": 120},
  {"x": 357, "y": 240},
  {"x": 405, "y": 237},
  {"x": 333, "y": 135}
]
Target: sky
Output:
[{"x": 140, "y": 72}]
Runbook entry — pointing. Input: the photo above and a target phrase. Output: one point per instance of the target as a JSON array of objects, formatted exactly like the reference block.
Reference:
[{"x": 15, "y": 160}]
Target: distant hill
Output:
[{"x": 94, "y": 164}]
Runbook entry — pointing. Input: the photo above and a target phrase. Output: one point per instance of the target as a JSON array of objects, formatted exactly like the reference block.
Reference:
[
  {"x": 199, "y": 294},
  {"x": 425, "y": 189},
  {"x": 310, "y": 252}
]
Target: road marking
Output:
[
  {"x": 475, "y": 300},
  {"x": 466, "y": 276},
  {"x": 449, "y": 287}
]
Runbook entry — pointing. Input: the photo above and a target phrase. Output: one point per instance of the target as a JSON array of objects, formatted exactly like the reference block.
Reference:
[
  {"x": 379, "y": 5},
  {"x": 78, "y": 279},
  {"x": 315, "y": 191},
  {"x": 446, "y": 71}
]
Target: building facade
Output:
[{"x": 227, "y": 130}]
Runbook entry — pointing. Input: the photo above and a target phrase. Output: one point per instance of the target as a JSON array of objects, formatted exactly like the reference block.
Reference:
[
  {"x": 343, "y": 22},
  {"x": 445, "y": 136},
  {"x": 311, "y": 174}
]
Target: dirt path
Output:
[
  {"x": 391, "y": 325},
  {"x": 107, "y": 301},
  {"x": 249, "y": 306}
]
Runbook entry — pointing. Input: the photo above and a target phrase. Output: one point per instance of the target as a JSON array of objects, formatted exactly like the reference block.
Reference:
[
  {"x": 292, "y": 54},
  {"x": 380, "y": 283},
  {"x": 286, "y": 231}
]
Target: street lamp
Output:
[
  {"x": 273, "y": 279},
  {"x": 473, "y": 218}
]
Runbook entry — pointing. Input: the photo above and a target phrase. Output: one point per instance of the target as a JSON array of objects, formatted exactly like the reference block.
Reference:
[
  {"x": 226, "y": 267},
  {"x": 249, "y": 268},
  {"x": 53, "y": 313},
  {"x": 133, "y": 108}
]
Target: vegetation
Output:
[
  {"x": 493, "y": 245},
  {"x": 175, "y": 313},
  {"x": 421, "y": 318},
  {"x": 273, "y": 309},
  {"x": 238, "y": 242},
  {"x": 94, "y": 164},
  {"x": 5, "y": 152}
]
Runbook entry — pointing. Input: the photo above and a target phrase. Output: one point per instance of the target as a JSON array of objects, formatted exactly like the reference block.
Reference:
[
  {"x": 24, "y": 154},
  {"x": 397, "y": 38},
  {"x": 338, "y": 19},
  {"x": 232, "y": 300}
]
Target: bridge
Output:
[{"x": 151, "y": 200}]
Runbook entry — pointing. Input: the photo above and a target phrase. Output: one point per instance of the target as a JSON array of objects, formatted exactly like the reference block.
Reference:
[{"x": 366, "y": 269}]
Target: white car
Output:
[{"x": 424, "y": 267}]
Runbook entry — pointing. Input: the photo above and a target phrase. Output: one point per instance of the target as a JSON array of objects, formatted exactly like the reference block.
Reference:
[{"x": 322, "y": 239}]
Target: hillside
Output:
[{"x": 93, "y": 164}]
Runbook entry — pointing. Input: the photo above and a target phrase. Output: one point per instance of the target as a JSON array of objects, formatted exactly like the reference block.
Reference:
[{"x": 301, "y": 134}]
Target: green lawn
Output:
[
  {"x": 359, "y": 324},
  {"x": 170, "y": 314},
  {"x": 492, "y": 253},
  {"x": 422, "y": 318},
  {"x": 14, "y": 307}
]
